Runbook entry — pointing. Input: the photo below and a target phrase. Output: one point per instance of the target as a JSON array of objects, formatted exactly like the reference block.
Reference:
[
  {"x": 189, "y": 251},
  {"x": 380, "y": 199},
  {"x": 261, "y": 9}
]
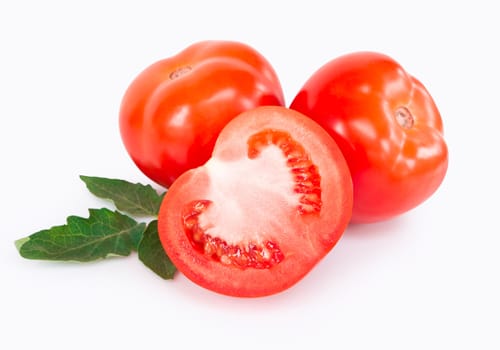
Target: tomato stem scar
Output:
[
  {"x": 404, "y": 117},
  {"x": 179, "y": 72}
]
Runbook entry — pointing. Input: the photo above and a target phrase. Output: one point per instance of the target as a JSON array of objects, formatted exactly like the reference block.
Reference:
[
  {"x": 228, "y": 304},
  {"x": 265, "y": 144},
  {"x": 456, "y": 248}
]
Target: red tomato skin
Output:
[
  {"x": 305, "y": 240},
  {"x": 173, "y": 110},
  {"x": 394, "y": 167}
]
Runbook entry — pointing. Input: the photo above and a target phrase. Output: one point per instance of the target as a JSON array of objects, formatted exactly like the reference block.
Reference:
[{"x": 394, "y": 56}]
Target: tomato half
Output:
[
  {"x": 273, "y": 199},
  {"x": 387, "y": 126},
  {"x": 172, "y": 111}
]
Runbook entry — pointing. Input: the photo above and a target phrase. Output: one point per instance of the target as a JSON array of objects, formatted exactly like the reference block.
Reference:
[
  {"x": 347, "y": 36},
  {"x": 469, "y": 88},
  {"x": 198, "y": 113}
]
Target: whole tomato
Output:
[
  {"x": 386, "y": 124},
  {"x": 173, "y": 111}
]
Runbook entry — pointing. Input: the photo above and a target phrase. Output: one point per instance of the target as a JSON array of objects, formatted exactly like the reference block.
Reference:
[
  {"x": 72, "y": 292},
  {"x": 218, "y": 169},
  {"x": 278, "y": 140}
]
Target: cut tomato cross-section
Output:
[{"x": 272, "y": 201}]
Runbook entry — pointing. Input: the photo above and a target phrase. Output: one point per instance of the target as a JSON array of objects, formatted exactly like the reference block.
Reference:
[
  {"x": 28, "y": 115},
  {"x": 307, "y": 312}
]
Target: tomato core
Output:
[
  {"x": 179, "y": 72},
  {"x": 404, "y": 117}
]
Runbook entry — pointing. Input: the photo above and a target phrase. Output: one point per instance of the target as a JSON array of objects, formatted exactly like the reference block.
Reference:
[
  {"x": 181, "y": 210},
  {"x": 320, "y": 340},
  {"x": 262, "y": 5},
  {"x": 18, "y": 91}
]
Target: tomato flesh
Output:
[
  {"x": 305, "y": 173},
  {"x": 272, "y": 201}
]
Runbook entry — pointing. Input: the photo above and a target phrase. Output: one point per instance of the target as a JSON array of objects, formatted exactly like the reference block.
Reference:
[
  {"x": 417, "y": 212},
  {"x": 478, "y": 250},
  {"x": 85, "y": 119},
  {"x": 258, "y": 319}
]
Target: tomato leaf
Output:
[
  {"x": 152, "y": 254},
  {"x": 133, "y": 198},
  {"x": 103, "y": 233}
]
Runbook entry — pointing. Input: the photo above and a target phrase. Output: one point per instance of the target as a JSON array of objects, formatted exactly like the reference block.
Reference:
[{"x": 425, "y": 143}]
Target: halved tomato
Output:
[{"x": 271, "y": 202}]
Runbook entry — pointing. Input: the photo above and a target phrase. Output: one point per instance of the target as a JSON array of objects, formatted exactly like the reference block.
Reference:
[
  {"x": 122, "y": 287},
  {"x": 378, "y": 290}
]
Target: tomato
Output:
[
  {"x": 387, "y": 126},
  {"x": 273, "y": 199},
  {"x": 172, "y": 111}
]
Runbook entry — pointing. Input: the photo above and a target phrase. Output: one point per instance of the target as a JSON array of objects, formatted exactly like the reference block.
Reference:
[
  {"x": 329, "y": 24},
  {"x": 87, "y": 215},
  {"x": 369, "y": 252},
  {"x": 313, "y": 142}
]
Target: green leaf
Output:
[
  {"x": 136, "y": 199},
  {"x": 103, "y": 233},
  {"x": 151, "y": 253}
]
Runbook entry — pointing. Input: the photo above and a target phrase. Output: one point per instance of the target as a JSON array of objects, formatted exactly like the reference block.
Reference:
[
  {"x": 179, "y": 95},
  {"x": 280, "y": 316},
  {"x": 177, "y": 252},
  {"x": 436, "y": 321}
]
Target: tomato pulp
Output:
[
  {"x": 386, "y": 124},
  {"x": 172, "y": 111},
  {"x": 270, "y": 203}
]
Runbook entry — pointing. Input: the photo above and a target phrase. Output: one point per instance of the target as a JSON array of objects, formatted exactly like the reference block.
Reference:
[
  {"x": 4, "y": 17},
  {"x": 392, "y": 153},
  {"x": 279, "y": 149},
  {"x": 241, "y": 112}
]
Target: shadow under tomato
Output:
[
  {"x": 363, "y": 247},
  {"x": 374, "y": 230}
]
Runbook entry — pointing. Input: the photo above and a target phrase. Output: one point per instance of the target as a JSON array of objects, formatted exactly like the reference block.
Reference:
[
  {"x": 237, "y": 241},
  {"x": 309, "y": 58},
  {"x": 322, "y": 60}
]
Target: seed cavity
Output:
[
  {"x": 305, "y": 172},
  {"x": 250, "y": 255}
]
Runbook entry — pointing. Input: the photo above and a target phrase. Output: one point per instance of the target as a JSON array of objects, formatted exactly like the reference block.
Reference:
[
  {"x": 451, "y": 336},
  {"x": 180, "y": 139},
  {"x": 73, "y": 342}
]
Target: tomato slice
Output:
[{"x": 271, "y": 202}]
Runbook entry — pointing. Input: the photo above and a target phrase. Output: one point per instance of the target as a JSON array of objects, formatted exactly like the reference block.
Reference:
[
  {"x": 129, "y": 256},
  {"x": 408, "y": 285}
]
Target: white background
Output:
[{"x": 428, "y": 279}]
